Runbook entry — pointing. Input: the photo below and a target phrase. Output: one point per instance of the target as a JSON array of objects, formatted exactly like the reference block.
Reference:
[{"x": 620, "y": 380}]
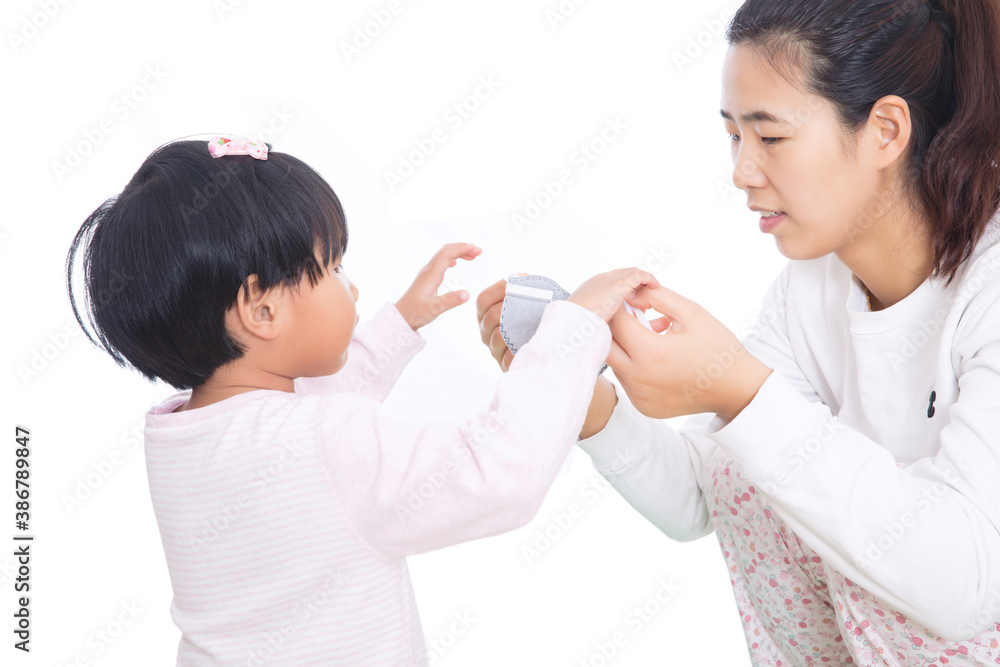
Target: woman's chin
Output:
[{"x": 793, "y": 248}]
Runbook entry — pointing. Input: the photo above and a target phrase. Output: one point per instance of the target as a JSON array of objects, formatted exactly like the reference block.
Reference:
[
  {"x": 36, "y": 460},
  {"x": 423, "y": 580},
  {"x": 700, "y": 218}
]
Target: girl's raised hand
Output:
[
  {"x": 697, "y": 366},
  {"x": 421, "y": 304}
]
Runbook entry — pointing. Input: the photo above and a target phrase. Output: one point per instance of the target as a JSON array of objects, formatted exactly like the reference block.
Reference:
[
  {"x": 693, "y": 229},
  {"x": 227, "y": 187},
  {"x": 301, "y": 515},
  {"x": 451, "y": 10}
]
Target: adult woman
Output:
[{"x": 849, "y": 448}]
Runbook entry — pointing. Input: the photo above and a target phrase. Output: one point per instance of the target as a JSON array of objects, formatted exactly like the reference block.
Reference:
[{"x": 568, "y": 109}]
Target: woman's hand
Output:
[
  {"x": 421, "y": 304},
  {"x": 697, "y": 366}
]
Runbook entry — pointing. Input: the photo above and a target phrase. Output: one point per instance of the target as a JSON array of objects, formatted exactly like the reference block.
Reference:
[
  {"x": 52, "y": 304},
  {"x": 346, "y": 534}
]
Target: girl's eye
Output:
[
  {"x": 770, "y": 141},
  {"x": 734, "y": 137},
  {"x": 338, "y": 268}
]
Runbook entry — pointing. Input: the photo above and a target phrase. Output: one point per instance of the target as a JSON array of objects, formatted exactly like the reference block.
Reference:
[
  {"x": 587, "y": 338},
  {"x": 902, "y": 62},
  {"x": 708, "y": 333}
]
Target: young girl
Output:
[
  {"x": 286, "y": 502},
  {"x": 849, "y": 459}
]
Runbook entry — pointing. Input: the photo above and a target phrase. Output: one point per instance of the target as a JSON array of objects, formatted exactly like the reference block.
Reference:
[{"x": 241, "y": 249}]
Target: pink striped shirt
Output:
[{"x": 286, "y": 518}]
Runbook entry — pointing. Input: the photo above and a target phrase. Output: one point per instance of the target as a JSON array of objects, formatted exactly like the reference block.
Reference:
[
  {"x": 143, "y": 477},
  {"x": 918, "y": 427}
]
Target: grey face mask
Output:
[{"x": 523, "y": 305}]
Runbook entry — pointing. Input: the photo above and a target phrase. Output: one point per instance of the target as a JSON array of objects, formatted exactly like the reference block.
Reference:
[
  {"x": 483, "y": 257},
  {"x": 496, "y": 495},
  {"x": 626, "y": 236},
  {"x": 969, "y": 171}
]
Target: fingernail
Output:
[{"x": 463, "y": 295}]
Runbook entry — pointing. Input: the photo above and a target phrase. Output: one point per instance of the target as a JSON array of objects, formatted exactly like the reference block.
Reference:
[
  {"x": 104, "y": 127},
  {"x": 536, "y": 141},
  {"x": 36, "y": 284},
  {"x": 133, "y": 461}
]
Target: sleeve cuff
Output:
[
  {"x": 622, "y": 441},
  {"x": 389, "y": 319},
  {"x": 389, "y": 331},
  {"x": 776, "y": 418},
  {"x": 575, "y": 335}
]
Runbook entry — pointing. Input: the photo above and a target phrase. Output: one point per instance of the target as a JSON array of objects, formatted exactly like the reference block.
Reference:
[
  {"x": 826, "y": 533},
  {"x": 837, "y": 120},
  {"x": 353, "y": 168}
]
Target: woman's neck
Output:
[{"x": 892, "y": 258}]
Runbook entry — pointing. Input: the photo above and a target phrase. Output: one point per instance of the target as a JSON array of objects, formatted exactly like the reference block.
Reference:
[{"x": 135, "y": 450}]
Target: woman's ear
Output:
[
  {"x": 258, "y": 311},
  {"x": 892, "y": 127}
]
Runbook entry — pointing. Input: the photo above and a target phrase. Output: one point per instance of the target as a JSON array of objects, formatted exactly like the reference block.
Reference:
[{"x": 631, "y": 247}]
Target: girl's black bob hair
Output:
[{"x": 164, "y": 260}]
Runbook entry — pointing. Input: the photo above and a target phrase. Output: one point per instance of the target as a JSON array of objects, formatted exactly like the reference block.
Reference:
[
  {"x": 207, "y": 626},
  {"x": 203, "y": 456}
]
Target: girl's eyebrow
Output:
[{"x": 752, "y": 117}]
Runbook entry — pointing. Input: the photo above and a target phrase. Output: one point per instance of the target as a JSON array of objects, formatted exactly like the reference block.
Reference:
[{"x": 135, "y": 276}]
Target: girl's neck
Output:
[
  {"x": 232, "y": 380},
  {"x": 892, "y": 258}
]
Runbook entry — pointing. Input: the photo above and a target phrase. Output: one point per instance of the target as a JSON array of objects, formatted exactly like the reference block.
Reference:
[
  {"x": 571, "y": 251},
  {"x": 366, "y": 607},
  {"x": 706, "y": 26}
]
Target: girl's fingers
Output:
[
  {"x": 447, "y": 255},
  {"x": 449, "y": 300}
]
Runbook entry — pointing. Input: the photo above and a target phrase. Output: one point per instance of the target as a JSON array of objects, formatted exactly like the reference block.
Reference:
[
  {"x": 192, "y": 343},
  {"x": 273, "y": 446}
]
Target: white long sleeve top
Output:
[
  {"x": 897, "y": 490},
  {"x": 286, "y": 517}
]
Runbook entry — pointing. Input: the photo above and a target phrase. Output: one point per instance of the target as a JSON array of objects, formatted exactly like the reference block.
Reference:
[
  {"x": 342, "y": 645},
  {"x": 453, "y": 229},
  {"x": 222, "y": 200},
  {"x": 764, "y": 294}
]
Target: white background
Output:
[{"x": 92, "y": 87}]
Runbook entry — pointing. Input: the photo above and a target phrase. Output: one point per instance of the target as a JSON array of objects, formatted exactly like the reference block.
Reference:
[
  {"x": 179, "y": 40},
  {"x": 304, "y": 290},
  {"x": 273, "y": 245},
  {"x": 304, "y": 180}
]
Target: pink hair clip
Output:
[{"x": 221, "y": 145}]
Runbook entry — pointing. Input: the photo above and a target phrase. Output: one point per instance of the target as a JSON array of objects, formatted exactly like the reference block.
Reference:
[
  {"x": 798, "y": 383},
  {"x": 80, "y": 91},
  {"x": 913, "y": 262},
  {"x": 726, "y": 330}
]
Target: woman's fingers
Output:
[
  {"x": 489, "y": 318},
  {"x": 665, "y": 301},
  {"x": 490, "y": 300},
  {"x": 661, "y": 324},
  {"x": 617, "y": 357}
]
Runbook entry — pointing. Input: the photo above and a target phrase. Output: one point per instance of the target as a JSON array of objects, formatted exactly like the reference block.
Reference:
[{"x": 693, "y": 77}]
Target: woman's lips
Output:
[{"x": 768, "y": 223}]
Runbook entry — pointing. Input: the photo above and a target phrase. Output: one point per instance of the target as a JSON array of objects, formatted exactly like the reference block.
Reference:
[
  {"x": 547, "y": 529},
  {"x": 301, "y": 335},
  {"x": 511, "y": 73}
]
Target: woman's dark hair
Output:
[
  {"x": 164, "y": 260},
  {"x": 941, "y": 56}
]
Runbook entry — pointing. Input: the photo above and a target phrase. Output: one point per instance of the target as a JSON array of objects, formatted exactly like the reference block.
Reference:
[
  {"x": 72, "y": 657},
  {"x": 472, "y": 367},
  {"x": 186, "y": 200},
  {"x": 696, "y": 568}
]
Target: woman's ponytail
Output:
[{"x": 960, "y": 177}]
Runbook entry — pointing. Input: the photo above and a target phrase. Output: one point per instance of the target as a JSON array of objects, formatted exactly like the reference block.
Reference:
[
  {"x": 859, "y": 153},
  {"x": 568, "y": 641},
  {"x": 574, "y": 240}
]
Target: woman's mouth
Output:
[{"x": 769, "y": 220}]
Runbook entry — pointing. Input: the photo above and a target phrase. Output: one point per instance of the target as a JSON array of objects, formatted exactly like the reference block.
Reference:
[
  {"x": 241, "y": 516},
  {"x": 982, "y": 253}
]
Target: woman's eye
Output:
[
  {"x": 734, "y": 137},
  {"x": 338, "y": 268},
  {"x": 770, "y": 141}
]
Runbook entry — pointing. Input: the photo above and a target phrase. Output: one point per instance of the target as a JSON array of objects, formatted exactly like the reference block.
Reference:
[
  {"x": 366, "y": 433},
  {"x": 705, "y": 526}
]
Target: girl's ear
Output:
[
  {"x": 892, "y": 128},
  {"x": 258, "y": 311}
]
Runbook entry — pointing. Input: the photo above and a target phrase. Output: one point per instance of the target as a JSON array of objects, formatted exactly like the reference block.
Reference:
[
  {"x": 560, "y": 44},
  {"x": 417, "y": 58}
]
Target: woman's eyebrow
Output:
[{"x": 752, "y": 117}]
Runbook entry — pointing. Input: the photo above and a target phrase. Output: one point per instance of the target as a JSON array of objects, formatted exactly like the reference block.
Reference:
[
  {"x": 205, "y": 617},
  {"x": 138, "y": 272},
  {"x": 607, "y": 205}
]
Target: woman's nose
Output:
[{"x": 747, "y": 171}]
